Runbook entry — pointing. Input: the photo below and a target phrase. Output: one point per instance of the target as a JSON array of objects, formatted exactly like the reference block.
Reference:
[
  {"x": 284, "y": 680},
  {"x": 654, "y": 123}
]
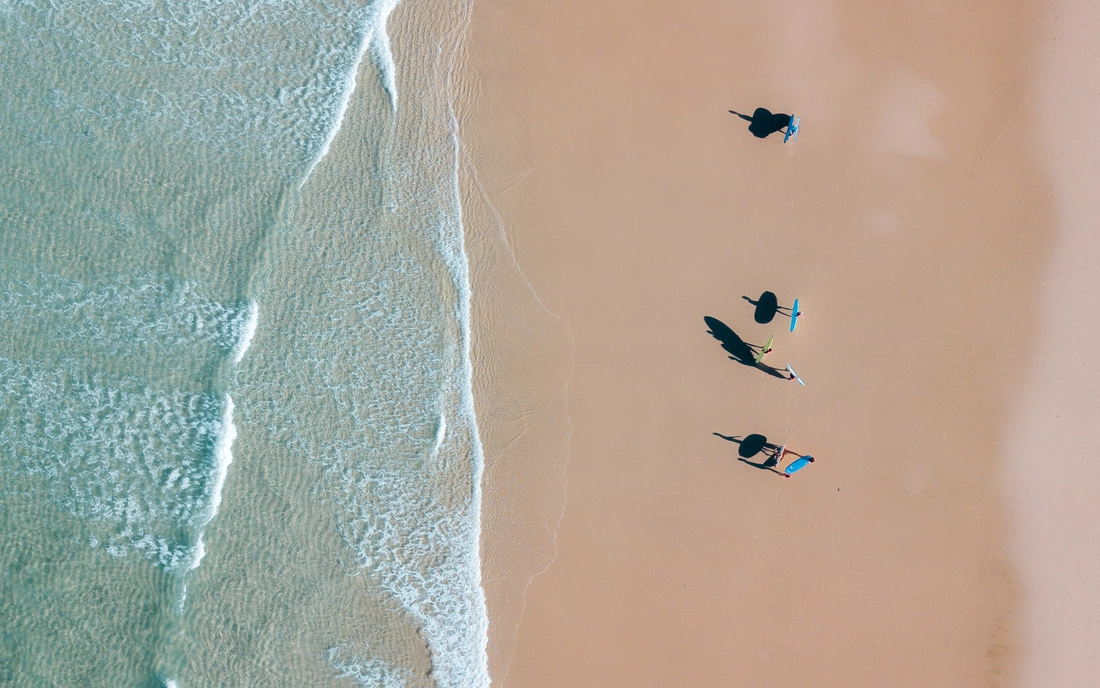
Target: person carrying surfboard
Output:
[
  {"x": 777, "y": 454},
  {"x": 764, "y": 350}
]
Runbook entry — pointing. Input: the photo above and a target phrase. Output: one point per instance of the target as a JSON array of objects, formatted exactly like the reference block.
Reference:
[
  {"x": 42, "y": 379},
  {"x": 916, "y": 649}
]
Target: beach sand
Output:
[
  {"x": 1054, "y": 477},
  {"x": 912, "y": 220}
]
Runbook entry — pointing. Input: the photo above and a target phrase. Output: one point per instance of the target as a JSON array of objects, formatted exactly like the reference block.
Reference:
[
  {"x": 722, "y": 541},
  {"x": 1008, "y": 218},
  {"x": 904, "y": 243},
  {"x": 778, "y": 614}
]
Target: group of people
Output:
[
  {"x": 747, "y": 354},
  {"x": 763, "y": 123},
  {"x": 767, "y": 306}
]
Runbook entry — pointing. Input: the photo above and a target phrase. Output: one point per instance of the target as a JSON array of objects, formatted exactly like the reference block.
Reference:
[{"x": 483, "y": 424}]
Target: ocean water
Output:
[{"x": 237, "y": 437}]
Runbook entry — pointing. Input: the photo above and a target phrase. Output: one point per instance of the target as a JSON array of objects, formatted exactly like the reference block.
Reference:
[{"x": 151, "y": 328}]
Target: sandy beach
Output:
[
  {"x": 1053, "y": 478},
  {"x": 913, "y": 221}
]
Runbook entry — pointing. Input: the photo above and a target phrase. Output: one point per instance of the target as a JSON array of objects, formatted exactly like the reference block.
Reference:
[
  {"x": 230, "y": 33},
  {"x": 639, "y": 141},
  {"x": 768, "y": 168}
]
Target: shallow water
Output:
[{"x": 236, "y": 433}]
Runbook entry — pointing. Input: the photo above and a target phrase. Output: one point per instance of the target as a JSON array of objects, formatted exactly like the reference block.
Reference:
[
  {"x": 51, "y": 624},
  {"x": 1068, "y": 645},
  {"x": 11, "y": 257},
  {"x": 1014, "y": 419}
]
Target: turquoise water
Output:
[{"x": 237, "y": 439}]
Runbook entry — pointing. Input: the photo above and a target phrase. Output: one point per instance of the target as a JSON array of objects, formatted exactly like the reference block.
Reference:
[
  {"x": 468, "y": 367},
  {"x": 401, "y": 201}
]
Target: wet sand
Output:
[{"x": 912, "y": 221}]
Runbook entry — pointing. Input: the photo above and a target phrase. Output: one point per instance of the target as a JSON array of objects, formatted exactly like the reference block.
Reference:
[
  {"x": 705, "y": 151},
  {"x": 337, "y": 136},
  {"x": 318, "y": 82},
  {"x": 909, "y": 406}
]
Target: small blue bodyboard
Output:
[
  {"x": 792, "y": 130},
  {"x": 794, "y": 315},
  {"x": 797, "y": 465}
]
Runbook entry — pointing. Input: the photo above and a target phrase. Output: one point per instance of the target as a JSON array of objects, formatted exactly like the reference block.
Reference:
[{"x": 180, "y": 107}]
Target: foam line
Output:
[
  {"x": 247, "y": 333},
  {"x": 476, "y": 669},
  {"x": 198, "y": 551},
  {"x": 376, "y": 38},
  {"x": 223, "y": 456},
  {"x": 380, "y": 48}
]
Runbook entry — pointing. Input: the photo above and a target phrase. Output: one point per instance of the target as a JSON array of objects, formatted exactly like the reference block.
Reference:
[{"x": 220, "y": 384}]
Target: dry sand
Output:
[
  {"x": 1051, "y": 449},
  {"x": 911, "y": 219}
]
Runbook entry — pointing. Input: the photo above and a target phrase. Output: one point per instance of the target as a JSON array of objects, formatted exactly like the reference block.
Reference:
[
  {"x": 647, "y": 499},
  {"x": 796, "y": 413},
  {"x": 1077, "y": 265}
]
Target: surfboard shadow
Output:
[
  {"x": 763, "y": 122},
  {"x": 736, "y": 347},
  {"x": 767, "y": 306}
]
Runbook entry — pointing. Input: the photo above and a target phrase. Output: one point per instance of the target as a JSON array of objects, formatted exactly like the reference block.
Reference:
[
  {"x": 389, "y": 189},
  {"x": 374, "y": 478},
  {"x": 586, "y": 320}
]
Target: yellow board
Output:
[{"x": 764, "y": 349}]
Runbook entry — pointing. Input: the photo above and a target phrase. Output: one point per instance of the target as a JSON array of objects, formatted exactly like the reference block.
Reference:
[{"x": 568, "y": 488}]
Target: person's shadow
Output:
[
  {"x": 750, "y": 446},
  {"x": 766, "y": 308},
  {"x": 763, "y": 122},
  {"x": 739, "y": 351}
]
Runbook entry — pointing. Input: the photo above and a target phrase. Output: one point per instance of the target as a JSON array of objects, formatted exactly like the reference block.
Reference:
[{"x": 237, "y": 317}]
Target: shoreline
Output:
[
  {"x": 910, "y": 220},
  {"x": 520, "y": 390},
  {"x": 522, "y": 363}
]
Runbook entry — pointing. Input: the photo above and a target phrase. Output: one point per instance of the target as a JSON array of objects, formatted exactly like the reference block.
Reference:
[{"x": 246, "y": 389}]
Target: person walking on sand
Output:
[
  {"x": 764, "y": 350},
  {"x": 787, "y": 311}
]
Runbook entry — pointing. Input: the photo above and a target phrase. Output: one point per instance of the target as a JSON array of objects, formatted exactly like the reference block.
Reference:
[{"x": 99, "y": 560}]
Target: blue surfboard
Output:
[
  {"x": 794, "y": 315},
  {"x": 798, "y": 464},
  {"x": 792, "y": 129}
]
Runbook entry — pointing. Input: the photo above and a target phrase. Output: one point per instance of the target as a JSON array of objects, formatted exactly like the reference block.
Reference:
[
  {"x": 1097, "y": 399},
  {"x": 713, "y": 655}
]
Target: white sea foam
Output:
[
  {"x": 254, "y": 82},
  {"x": 476, "y": 668},
  {"x": 115, "y": 449},
  {"x": 247, "y": 333},
  {"x": 342, "y": 108},
  {"x": 373, "y": 37},
  {"x": 198, "y": 551},
  {"x": 223, "y": 456},
  {"x": 404, "y": 466},
  {"x": 369, "y": 673},
  {"x": 129, "y": 316},
  {"x": 401, "y": 446},
  {"x": 144, "y": 464},
  {"x": 380, "y": 47},
  {"x": 389, "y": 411}
]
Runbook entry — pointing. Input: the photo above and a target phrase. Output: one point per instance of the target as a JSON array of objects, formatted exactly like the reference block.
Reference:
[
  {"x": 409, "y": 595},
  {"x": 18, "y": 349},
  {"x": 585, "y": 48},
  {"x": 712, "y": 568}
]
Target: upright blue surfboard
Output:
[
  {"x": 794, "y": 315},
  {"x": 798, "y": 464}
]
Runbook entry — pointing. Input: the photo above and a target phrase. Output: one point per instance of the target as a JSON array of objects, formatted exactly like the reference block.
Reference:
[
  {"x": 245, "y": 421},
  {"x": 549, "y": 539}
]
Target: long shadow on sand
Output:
[
  {"x": 751, "y": 445},
  {"x": 763, "y": 122},
  {"x": 736, "y": 347},
  {"x": 768, "y": 465}
]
